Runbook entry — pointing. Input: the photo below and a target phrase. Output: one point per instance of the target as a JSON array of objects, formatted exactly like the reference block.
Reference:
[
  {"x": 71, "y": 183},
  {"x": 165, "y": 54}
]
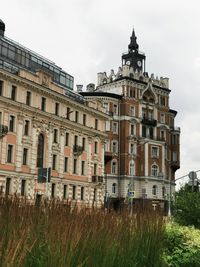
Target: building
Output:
[
  {"x": 47, "y": 131},
  {"x": 142, "y": 151}
]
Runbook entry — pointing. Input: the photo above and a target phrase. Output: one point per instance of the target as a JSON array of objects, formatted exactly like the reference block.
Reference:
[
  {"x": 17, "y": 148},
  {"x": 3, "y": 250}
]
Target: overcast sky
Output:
[{"x": 85, "y": 37}]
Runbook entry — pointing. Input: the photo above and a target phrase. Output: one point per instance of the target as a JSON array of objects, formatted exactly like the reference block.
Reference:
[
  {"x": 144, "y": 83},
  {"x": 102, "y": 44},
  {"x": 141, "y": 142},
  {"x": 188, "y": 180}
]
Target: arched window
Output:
[
  {"x": 114, "y": 167},
  {"x": 131, "y": 167},
  {"x": 114, "y": 147},
  {"x": 154, "y": 170},
  {"x": 163, "y": 192},
  {"x": 40, "y": 151},
  {"x": 154, "y": 190},
  {"x": 114, "y": 188}
]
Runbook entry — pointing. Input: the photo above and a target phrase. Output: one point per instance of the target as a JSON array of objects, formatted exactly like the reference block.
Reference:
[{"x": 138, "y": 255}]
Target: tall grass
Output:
[{"x": 52, "y": 235}]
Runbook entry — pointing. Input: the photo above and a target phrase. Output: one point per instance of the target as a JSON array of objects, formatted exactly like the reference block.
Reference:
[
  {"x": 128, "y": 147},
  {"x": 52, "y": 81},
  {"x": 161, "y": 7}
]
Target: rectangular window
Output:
[
  {"x": 66, "y": 165},
  {"x": 66, "y": 139},
  {"x": 26, "y": 127},
  {"x": 132, "y": 149},
  {"x": 154, "y": 152},
  {"x": 95, "y": 168},
  {"x": 162, "y": 135},
  {"x": 8, "y": 185},
  {"x": 132, "y": 129},
  {"x": 174, "y": 142},
  {"x": 54, "y": 162},
  {"x": 96, "y": 124},
  {"x": 107, "y": 146},
  {"x": 115, "y": 127},
  {"x": 53, "y": 189},
  {"x": 84, "y": 119},
  {"x": 82, "y": 192},
  {"x": 23, "y": 187},
  {"x": 43, "y": 104},
  {"x": 9, "y": 153},
  {"x": 25, "y": 156},
  {"x": 162, "y": 118},
  {"x": 115, "y": 109},
  {"x": 144, "y": 113},
  {"x": 0, "y": 117},
  {"x": 28, "y": 98},
  {"x": 73, "y": 192},
  {"x": 162, "y": 100},
  {"x": 13, "y": 92},
  {"x": 55, "y": 135},
  {"x": 12, "y": 123},
  {"x": 57, "y": 109},
  {"x": 83, "y": 143},
  {"x": 75, "y": 166},
  {"x": 144, "y": 132},
  {"x": 83, "y": 168},
  {"x": 95, "y": 194},
  {"x": 65, "y": 191},
  {"x": 174, "y": 156},
  {"x": 106, "y": 107},
  {"x": 114, "y": 147},
  {"x": 107, "y": 126},
  {"x": 76, "y": 116},
  {"x": 75, "y": 140},
  {"x": 1, "y": 88},
  {"x": 68, "y": 113},
  {"x": 95, "y": 147},
  {"x": 132, "y": 111}
]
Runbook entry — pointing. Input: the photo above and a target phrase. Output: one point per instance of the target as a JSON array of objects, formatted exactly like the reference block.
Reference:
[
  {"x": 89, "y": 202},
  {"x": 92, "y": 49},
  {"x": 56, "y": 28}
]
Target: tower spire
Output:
[{"x": 133, "y": 46}]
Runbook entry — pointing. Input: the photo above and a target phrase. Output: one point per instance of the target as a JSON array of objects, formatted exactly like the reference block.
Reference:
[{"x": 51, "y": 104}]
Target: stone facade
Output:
[{"x": 46, "y": 125}]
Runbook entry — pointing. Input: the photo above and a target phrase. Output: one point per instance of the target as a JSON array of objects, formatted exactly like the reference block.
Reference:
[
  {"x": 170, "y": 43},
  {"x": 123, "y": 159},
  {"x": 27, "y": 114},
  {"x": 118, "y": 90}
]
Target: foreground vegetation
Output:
[{"x": 53, "y": 235}]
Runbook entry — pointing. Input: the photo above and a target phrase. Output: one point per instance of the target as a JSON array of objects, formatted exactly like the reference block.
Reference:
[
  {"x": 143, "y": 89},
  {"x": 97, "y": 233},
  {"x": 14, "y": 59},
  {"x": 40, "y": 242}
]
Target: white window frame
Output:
[
  {"x": 132, "y": 167},
  {"x": 154, "y": 170},
  {"x": 154, "y": 152},
  {"x": 114, "y": 166}
]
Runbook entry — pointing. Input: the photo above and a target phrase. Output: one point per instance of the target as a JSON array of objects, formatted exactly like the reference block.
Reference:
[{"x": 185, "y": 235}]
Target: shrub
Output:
[{"x": 182, "y": 246}]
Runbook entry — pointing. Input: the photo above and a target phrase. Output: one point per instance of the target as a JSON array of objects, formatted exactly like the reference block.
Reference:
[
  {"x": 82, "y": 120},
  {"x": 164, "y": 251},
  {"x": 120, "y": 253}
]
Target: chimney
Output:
[
  {"x": 2, "y": 28},
  {"x": 79, "y": 88}
]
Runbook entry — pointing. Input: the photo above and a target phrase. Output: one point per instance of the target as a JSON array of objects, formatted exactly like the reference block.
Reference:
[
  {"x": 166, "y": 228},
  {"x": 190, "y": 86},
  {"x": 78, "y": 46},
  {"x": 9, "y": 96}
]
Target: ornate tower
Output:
[{"x": 133, "y": 57}]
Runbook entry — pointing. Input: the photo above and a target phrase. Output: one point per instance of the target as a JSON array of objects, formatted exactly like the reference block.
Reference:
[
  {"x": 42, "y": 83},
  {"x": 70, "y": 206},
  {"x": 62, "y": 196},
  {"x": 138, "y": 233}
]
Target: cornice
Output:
[{"x": 41, "y": 116}]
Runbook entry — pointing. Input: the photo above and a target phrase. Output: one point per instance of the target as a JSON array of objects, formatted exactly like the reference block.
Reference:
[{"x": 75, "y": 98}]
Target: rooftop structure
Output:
[{"x": 14, "y": 56}]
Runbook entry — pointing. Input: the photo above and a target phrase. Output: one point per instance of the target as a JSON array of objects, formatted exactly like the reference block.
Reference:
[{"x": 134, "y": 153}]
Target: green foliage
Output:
[
  {"x": 54, "y": 235},
  {"x": 187, "y": 207},
  {"x": 182, "y": 246}
]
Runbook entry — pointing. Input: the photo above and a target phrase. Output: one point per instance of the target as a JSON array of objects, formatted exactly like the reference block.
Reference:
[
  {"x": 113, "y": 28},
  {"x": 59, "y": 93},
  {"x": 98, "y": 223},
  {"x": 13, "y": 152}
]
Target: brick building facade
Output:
[{"x": 142, "y": 151}]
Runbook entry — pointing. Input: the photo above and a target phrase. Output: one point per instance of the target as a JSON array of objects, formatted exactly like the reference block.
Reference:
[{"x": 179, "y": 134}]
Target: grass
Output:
[{"x": 53, "y": 235}]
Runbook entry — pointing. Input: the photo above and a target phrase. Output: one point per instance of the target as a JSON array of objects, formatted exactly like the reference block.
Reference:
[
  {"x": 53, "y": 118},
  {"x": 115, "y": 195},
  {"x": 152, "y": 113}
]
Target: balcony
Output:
[
  {"x": 107, "y": 156},
  {"x": 175, "y": 165},
  {"x": 149, "y": 121},
  {"x": 3, "y": 130},
  {"x": 97, "y": 179},
  {"x": 78, "y": 150}
]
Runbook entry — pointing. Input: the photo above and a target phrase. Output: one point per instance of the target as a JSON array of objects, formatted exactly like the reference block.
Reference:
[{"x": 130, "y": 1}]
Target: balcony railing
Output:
[
  {"x": 3, "y": 130},
  {"x": 149, "y": 121},
  {"x": 97, "y": 179},
  {"x": 78, "y": 150}
]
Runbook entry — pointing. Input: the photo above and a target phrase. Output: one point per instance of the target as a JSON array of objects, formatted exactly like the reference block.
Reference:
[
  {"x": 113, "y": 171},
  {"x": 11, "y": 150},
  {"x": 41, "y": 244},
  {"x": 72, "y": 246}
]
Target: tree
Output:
[{"x": 187, "y": 206}]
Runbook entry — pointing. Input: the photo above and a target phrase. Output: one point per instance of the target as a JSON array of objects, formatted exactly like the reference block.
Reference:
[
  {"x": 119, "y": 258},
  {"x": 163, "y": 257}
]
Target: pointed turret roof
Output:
[{"x": 133, "y": 46}]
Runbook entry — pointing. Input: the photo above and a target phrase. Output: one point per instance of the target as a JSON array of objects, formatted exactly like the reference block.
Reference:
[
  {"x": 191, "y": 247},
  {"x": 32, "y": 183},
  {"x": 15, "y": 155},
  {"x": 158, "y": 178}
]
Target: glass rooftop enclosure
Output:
[{"x": 14, "y": 56}]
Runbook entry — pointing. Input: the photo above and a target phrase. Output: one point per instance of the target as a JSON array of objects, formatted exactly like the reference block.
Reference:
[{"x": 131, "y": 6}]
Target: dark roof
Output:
[
  {"x": 173, "y": 111},
  {"x": 97, "y": 93}
]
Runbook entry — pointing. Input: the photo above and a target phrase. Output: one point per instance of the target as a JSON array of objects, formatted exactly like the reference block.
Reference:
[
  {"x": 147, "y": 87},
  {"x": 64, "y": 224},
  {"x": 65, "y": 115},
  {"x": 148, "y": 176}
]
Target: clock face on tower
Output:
[
  {"x": 139, "y": 63},
  {"x": 128, "y": 63}
]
